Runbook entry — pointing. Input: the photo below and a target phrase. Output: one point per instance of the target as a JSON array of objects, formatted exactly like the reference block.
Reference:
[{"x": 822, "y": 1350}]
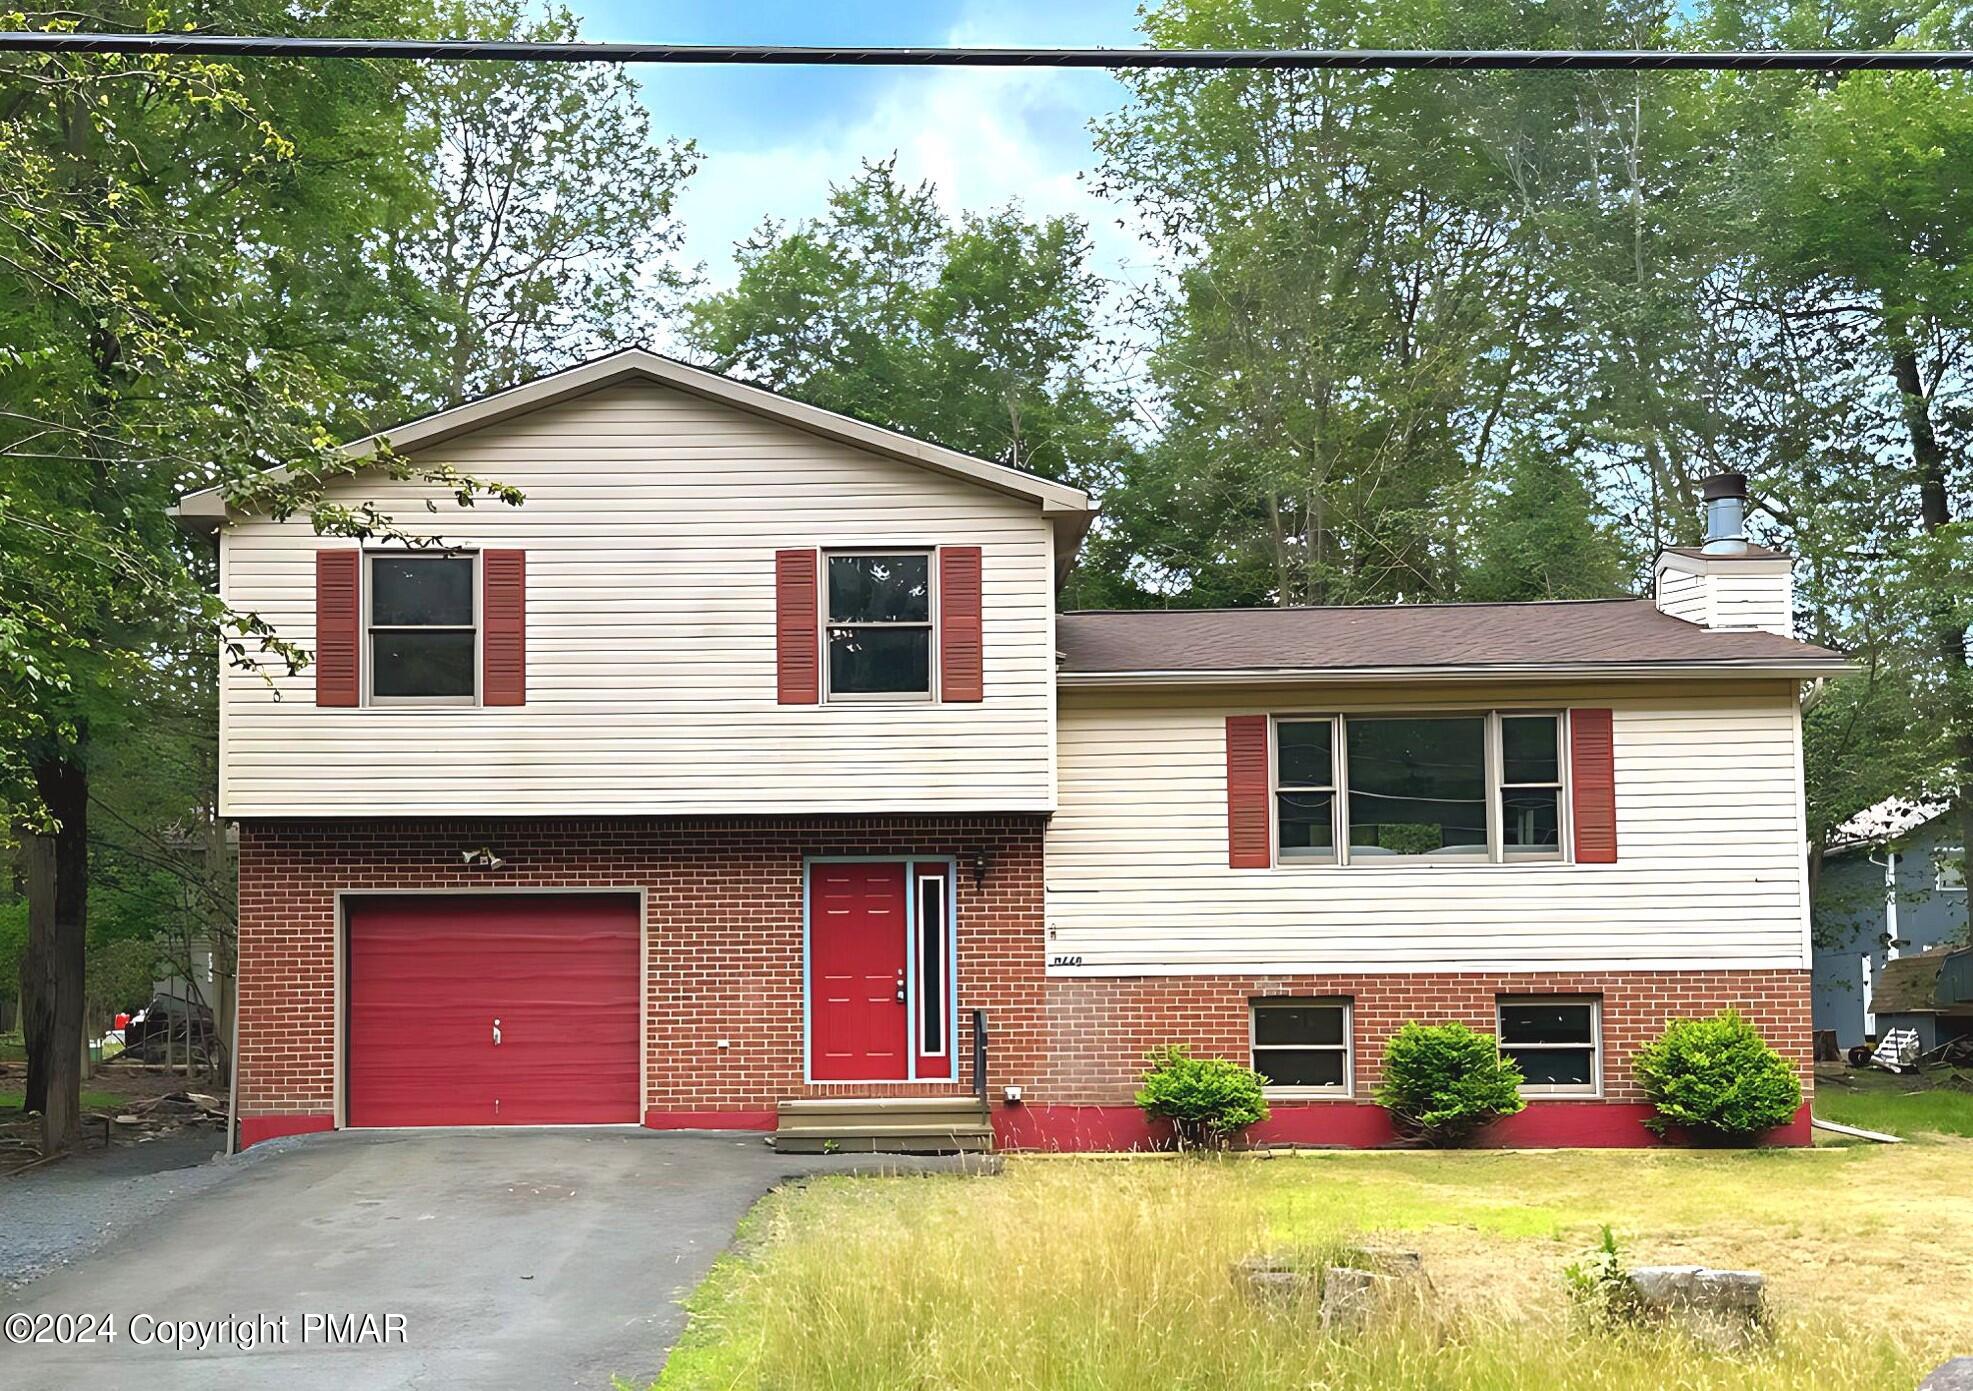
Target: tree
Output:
[
  {"x": 1539, "y": 537},
  {"x": 976, "y": 334},
  {"x": 550, "y": 228},
  {"x": 147, "y": 365}
]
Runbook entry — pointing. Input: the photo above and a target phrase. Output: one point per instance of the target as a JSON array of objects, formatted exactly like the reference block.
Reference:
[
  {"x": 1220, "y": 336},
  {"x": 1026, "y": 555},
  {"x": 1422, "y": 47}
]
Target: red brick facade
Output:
[
  {"x": 724, "y": 919},
  {"x": 723, "y": 909}
]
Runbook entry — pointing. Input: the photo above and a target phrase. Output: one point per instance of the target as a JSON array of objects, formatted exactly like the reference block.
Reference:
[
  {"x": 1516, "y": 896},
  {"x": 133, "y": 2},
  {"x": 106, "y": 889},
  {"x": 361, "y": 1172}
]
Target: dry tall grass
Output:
[{"x": 1068, "y": 1276}]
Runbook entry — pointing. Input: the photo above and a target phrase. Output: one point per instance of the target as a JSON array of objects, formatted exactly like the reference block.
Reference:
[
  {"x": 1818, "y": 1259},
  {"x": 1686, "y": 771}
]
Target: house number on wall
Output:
[{"x": 1065, "y": 961}]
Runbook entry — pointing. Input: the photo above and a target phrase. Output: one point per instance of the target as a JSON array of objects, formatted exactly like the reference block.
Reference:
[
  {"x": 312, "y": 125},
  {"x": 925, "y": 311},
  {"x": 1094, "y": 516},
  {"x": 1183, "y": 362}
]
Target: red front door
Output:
[
  {"x": 859, "y": 1028},
  {"x": 485, "y": 1010}
]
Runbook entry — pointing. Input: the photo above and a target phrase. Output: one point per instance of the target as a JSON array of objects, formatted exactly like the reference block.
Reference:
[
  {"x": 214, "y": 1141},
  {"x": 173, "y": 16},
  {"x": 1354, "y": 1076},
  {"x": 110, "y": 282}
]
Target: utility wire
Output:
[{"x": 779, "y": 55}]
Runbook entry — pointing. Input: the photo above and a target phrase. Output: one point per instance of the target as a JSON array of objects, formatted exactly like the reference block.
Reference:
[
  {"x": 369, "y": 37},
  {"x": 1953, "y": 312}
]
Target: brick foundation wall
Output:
[
  {"x": 724, "y": 922},
  {"x": 724, "y": 926},
  {"x": 1099, "y": 1030}
]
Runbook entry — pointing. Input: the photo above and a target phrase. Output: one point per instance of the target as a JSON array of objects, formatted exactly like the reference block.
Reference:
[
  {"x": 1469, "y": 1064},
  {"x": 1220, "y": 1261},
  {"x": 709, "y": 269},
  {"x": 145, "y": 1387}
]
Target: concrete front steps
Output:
[{"x": 884, "y": 1125}]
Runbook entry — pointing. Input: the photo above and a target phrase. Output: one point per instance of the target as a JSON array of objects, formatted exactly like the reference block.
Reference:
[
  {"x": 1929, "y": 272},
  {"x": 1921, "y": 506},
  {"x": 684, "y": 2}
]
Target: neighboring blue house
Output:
[{"x": 1891, "y": 885}]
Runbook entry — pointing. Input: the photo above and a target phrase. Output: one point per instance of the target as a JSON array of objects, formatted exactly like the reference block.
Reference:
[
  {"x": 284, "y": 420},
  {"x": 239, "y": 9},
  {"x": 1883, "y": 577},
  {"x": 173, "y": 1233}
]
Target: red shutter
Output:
[
  {"x": 1593, "y": 786},
  {"x": 959, "y": 624},
  {"x": 1247, "y": 792},
  {"x": 797, "y": 660},
  {"x": 504, "y": 628},
  {"x": 338, "y": 618}
]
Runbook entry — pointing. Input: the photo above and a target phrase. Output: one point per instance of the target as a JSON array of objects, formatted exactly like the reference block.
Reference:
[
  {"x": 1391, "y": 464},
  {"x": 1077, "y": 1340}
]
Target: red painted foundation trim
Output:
[
  {"x": 709, "y": 1120},
  {"x": 1354, "y": 1125},
  {"x": 254, "y": 1129}
]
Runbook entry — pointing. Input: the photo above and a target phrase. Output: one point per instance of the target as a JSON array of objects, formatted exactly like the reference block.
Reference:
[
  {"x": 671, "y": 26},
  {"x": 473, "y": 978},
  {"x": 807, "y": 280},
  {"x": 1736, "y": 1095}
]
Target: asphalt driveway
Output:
[{"x": 513, "y": 1258}]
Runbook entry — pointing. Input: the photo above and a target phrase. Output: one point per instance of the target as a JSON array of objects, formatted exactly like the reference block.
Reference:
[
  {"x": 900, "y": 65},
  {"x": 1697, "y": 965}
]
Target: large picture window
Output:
[
  {"x": 1452, "y": 788},
  {"x": 423, "y": 628},
  {"x": 880, "y": 625},
  {"x": 1302, "y": 1046}
]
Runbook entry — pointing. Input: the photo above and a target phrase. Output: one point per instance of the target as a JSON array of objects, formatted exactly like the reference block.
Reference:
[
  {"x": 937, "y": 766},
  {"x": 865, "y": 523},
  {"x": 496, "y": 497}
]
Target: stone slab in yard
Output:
[{"x": 1726, "y": 1306}]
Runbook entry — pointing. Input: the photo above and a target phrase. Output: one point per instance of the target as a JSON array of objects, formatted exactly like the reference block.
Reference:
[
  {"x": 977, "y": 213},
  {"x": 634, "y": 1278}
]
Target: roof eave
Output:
[{"x": 1800, "y": 669}]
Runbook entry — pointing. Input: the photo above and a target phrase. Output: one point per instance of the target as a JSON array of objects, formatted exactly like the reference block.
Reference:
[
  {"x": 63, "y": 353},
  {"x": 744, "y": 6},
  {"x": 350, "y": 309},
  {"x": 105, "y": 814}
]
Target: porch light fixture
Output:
[{"x": 979, "y": 869}]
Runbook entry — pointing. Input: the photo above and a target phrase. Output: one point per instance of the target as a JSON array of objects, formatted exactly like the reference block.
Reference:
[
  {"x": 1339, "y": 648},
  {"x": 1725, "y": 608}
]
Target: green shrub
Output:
[
  {"x": 1207, "y": 1100},
  {"x": 1717, "y": 1079},
  {"x": 1444, "y": 1081}
]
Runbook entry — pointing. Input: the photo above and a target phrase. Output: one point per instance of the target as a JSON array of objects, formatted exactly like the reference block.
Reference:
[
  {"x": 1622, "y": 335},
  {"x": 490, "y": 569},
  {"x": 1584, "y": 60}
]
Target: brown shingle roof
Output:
[
  {"x": 1910, "y": 985},
  {"x": 1619, "y": 633}
]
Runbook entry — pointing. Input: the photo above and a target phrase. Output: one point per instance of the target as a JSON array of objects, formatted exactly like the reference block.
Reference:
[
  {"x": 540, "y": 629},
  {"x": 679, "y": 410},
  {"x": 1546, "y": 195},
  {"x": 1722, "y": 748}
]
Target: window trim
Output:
[
  {"x": 1495, "y": 761},
  {"x": 1336, "y": 790},
  {"x": 1347, "y": 1047},
  {"x": 1552, "y": 1091},
  {"x": 368, "y": 660},
  {"x": 1942, "y": 855},
  {"x": 928, "y": 696}
]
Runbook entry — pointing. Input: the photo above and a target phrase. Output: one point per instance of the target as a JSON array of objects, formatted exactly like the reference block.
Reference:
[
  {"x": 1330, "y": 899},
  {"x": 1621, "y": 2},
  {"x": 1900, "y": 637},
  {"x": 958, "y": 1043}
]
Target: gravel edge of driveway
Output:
[{"x": 59, "y": 1213}]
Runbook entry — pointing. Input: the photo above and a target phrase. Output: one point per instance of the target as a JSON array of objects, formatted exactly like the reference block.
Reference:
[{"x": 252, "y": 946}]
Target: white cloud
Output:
[{"x": 981, "y": 136}]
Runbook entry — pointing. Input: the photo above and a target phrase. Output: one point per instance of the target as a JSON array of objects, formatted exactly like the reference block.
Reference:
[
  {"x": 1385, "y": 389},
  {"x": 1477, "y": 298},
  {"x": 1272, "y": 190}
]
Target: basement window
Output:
[
  {"x": 1302, "y": 1047},
  {"x": 1557, "y": 1041},
  {"x": 423, "y": 628}
]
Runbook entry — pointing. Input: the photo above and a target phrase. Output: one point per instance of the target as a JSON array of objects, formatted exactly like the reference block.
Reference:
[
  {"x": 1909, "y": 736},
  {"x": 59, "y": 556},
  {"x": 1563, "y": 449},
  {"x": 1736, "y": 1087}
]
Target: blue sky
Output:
[{"x": 774, "y": 138}]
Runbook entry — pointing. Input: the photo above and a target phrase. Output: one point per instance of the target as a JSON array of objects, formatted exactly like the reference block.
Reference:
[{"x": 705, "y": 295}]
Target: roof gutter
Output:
[{"x": 1799, "y": 669}]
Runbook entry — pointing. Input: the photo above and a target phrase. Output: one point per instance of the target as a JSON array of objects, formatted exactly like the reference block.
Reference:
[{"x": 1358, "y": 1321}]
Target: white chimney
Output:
[{"x": 1729, "y": 582}]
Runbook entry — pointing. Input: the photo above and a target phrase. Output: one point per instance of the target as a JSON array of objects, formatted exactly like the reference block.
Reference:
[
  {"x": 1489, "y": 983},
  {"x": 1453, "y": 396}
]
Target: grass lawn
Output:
[
  {"x": 12, "y": 1049},
  {"x": 10, "y": 1102},
  {"x": 1092, "y": 1273},
  {"x": 1896, "y": 1105}
]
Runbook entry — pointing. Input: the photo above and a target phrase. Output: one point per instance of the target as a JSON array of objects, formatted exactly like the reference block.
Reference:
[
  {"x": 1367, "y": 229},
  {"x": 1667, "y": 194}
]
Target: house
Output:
[
  {"x": 1892, "y": 883},
  {"x": 737, "y": 776}
]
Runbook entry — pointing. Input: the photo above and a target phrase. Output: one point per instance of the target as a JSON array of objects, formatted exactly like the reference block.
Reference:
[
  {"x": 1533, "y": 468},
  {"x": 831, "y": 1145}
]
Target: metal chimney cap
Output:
[{"x": 1723, "y": 485}]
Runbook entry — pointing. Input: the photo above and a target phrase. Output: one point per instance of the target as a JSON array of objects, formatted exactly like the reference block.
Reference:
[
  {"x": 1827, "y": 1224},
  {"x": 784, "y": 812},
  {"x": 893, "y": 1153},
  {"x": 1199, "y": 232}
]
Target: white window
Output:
[
  {"x": 1483, "y": 786},
  {"x": 1557, "y": 1041},
  {"x": 422, "y": 628},
  {"x": 880, "y": 625},
  {"x": 1302, "y": 1047},
  {"x": 1949, "y": 869}
]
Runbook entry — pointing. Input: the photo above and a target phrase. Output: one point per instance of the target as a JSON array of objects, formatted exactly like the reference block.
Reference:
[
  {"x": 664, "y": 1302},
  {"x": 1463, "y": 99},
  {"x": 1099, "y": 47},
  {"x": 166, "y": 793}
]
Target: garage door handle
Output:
[{"x": 496, "y": 1033}]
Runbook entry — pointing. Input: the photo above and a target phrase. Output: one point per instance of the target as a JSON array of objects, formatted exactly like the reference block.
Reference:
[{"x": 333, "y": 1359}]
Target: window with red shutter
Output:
[
  {"x": 1247, "y": 793},
  {"x": 503, "y": 639},
  {"x": 1593, "y": 786},
  {"x": 797, "y": 623},
  {"x": 960, "y": 633},
  {"x": 338, "y": 627}
]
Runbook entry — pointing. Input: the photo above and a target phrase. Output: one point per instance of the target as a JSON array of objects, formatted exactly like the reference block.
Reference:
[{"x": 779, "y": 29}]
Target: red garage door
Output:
[{"x": 475, "y": 1010}]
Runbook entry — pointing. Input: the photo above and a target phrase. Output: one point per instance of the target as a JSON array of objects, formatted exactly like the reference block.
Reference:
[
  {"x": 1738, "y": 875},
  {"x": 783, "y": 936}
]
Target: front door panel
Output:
[{"x": 859, "y": 1024}]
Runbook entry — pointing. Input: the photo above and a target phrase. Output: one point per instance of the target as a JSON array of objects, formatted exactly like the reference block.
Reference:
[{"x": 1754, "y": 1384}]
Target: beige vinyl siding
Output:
[
  {"x": 1710, "y": 868},
  {"x": 1727, "y": 591},
  {"x": 650, "y": 527}
]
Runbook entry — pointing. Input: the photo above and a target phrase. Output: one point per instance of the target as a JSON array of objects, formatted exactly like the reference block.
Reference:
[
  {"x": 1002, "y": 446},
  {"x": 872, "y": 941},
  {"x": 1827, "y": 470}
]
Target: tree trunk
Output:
[
  {"x": 37, "y": 1020},
  {"x": 58, "y": 899},
  {"x": 1935, "y": 509}
]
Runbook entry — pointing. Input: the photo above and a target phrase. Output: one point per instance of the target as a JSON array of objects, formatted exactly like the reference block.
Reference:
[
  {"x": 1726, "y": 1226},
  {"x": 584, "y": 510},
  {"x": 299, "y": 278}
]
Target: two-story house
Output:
[{"x": 727, "y": 781}]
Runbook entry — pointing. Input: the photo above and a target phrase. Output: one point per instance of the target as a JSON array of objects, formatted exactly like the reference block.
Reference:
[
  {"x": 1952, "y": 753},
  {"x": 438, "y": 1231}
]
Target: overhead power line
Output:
[{"x": 781, "y": 55}]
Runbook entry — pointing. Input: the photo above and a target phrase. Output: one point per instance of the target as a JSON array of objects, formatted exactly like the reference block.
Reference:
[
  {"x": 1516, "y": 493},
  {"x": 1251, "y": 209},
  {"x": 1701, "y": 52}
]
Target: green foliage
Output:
[
  {"x": 1207, "y": 1100},
  {"x": 1716, "y": 1078},
  {"x": 1599, "y": 1285},
  {"x": 976, "y": 333},
  {"x": 1539, "y": 537},
  {"x": 1444, "y": 1081}
]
